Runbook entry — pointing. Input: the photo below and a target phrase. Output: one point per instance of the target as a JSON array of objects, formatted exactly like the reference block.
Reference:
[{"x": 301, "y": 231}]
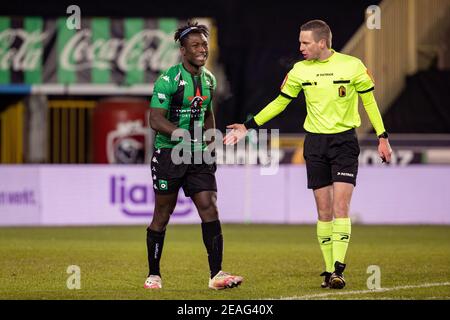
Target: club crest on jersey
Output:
[
  {"x": 162, "y": 184},
  {"x": 197, "y": 101},
  {"x": 342, "y": 91}
]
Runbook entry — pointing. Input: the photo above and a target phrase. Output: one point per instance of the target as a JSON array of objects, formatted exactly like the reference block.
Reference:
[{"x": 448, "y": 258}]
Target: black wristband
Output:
[
  {"x": 251, "y": 124},
  {"x": 383, "y": 135}
]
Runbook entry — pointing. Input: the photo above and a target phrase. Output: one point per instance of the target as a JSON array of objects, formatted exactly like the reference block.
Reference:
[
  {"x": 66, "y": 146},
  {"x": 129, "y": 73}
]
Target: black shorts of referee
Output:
[{"x": 331, "y": 158}]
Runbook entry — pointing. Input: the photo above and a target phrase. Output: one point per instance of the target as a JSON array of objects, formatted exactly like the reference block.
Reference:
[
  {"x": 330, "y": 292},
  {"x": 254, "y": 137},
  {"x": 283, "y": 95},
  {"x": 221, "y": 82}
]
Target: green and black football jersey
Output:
[{"x": 186, "y": 98}]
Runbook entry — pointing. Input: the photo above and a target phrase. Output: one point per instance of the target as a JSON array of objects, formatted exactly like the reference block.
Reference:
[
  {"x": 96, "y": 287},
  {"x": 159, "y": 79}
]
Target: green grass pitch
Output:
[{"x": 277, "y": 261}]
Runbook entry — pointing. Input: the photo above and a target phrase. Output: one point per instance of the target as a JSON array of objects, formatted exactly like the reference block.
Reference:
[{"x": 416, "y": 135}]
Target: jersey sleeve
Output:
[
  {"x": 162, "y": 93},
  {"x": 272, "y": 110},
  {"x": 291, "y": 86},
  {"x": 363, "y": 81},
  {"x": 213, "y": 90},
  {"x": 373, "y": 112}
]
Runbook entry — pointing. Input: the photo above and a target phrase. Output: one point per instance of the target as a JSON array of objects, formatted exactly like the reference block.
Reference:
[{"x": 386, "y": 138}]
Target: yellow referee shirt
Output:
[{"x": 331, "y": 90}]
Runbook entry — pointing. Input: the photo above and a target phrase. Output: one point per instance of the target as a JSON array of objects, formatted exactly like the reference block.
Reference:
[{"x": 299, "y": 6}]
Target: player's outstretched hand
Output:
[
  {"x": 239, "y": 131},
  {"x": 384, "y": 150}
]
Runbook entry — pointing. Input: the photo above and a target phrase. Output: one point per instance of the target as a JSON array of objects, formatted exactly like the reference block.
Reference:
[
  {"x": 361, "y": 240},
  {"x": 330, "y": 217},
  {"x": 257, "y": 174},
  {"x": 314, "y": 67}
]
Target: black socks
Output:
[
  {"x": 155, "y": 242},
  {"x": 213, "y": 240}
]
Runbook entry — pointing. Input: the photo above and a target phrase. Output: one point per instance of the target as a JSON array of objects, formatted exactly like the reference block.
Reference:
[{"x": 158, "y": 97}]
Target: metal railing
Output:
[
  {"x": 70, "y": 131},
  {"x": 12, "y": 134},
  {"x": 408, "y": 30}
]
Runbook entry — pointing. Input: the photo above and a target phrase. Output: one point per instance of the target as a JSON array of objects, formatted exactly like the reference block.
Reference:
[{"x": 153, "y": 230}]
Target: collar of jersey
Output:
[
  {"x": 190, "y": 74},
  {"x": 333, "y": 54}
]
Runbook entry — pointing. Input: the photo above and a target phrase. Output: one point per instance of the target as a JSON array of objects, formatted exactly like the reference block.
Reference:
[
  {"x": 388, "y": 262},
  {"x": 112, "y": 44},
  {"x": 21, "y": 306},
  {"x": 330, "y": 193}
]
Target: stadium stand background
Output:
[
  {"x": 258, "y": 44},
  {"x": 258, "y": 41}
]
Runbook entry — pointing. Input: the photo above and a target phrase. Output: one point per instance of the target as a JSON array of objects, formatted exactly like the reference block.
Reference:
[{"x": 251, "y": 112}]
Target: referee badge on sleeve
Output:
[{"x": 342, "y": 91}]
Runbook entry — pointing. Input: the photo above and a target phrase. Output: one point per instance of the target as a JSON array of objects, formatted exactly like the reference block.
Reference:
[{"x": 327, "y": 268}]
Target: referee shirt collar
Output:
[{"x": 333, "y": 54}]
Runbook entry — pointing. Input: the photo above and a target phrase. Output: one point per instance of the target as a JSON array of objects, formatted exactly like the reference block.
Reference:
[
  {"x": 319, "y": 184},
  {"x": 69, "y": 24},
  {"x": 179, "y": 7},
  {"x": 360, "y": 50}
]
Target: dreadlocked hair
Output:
[{"x": 181, "y": 36}]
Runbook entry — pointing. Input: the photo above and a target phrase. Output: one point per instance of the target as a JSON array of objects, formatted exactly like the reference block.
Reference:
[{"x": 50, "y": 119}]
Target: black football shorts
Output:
[
  {"x": 331, "y": 158},
  {"x": 168, "y": 177}
]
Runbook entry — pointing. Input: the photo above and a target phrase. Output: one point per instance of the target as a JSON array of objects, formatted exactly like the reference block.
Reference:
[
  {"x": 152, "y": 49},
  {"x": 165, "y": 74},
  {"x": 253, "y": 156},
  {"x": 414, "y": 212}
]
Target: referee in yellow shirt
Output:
[{"x": 332, "y": 83}]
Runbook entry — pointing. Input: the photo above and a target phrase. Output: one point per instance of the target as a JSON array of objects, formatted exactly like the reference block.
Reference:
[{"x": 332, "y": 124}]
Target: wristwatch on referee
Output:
[{"x": 383, "y": 135}]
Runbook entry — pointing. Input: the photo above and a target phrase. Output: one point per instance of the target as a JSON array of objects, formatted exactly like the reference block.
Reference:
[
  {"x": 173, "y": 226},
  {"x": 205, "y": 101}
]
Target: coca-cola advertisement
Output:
[{"x": 127, "y": 51}]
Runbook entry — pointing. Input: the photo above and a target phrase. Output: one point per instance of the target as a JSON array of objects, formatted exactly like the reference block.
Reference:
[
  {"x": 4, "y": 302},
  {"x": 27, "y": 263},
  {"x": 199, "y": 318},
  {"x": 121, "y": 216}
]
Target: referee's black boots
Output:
[
  {"x": 337, "y": 278},
  {"x": 326, "y": 280}
]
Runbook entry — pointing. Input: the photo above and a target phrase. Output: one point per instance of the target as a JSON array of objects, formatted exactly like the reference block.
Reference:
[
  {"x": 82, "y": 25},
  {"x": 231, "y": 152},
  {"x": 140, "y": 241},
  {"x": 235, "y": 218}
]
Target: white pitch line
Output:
[{"x": 321, "y": 295}]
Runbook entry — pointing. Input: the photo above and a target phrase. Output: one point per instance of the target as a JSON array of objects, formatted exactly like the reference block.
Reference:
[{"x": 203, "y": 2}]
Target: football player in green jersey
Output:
[
  {"x": 181, "y": 106},
  {"x": 332, "y": 83}
]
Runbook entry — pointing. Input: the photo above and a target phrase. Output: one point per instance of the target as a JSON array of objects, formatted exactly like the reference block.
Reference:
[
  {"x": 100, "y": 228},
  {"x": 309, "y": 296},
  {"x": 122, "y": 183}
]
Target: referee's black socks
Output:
[
  {"x": 155, "y": 242},
  {"x": 213, "y": 240}
]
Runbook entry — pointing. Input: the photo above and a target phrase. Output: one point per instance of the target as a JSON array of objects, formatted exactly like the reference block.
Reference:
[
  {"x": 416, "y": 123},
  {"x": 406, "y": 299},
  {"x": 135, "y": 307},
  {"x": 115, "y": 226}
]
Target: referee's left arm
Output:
[
  {"x": 371, "y": 107},
  {"x": 364, "y": 85}
]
